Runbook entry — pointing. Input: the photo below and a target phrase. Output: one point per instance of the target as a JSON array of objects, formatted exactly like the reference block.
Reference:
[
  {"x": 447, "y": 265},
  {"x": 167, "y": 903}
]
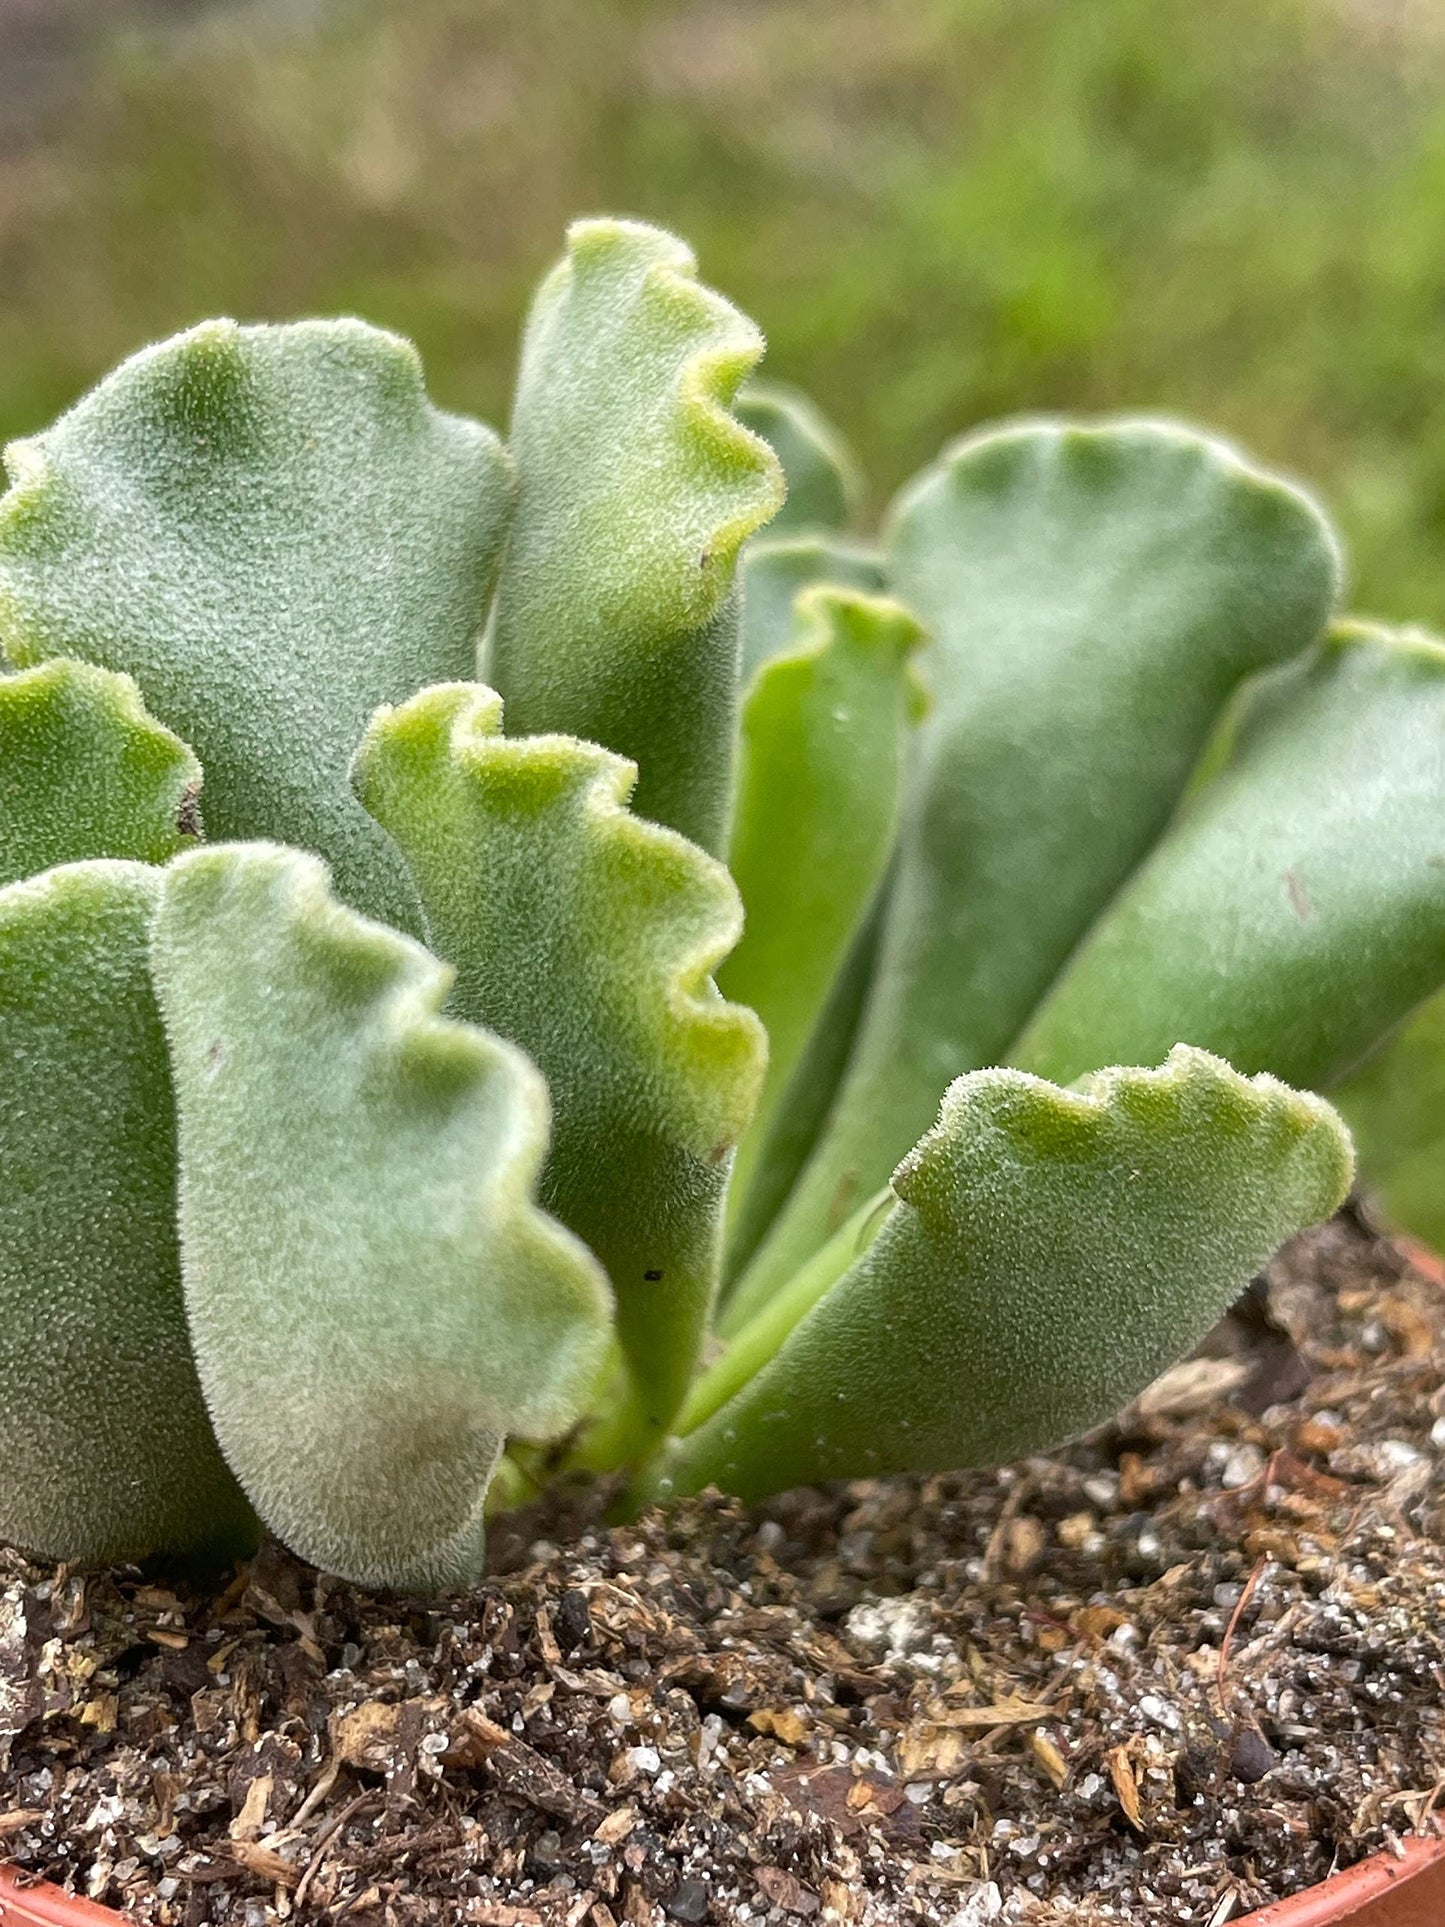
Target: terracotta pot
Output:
[
  {"x": 47, "y": 1906},
  {"x": 1387, "y": 1891}
]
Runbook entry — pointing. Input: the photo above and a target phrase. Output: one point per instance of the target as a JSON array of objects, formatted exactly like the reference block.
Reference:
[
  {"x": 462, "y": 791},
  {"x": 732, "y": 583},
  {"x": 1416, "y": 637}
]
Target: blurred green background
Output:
[{"x": 940, "y": 210}]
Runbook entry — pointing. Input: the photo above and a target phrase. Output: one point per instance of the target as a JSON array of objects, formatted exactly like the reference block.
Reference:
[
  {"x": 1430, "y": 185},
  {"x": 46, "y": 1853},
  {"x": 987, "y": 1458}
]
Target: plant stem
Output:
[
  {"x": 765, "y": 1332},
  {"x": 511, "y": 1487},
  {"x": 622, "y": 1433}
]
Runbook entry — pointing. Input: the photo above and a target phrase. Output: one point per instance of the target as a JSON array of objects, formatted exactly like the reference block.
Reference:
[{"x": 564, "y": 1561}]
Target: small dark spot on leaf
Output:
[
  {"x": 188, "y": 813},
  {"x": 704, "y": 558},
  {"x": 653, "y": 1277},
  {"x": 214, "y": 1056}
]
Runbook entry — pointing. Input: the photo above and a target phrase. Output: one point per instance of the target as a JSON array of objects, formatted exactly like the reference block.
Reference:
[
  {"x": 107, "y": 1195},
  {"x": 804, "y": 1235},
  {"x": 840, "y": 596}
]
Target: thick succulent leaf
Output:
[
  {"x": 616, "y": 619},
  {"x": 1095, "y": 595},
  {"x": 822, "y": 477},
  {"x": 1051, "y": 1251},
  {"x": 106, "y": 1452},
  {"x": 1296, "y": 911},
  {"x": 774, "y": 572},
  {"x": 824, "y": 730},
  {"x": 1395, "y": 1106},
  {"x": 586, "y": 935},
  {"x": 273, "y": 532},
  {"x": 375, "y": 1300},
  {"x": 85, "y": 772}
]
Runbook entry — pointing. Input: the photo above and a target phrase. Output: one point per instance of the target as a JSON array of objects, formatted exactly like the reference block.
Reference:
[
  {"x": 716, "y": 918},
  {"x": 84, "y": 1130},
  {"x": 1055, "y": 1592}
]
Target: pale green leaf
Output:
[
  {"x": 375, "y": 1300},
  {"x": 107, "y": 1450},
  {"x": 776, "y": 569},
  {"x": 615, "y": 619},
  {"x": 273, "y": 532},
  {"x": 586, "y": 935},
  {"x": 1395, "y": 1106},
  {"x": 1050, "y": 1252},
  {"x": 1296, "y": 911},
  {"x": 823, "y": 482},
  {"x": 1095, "y": 596},
  {"x": 824, "y": 730},
  {"x": 85, "y": 772}
]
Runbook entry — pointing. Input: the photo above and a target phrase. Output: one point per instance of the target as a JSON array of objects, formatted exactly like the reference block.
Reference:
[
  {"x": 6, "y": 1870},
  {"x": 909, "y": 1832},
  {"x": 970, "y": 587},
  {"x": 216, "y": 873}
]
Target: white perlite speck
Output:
[{"x": 898, "y": 1626}]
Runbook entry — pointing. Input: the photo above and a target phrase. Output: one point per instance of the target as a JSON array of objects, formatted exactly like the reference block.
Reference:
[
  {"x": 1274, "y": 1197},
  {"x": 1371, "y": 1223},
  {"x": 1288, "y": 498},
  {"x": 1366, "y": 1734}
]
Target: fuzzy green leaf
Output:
[
  {"x": 107, "y": 1450},
  {"x": 273, "y": 532},
  {"x": 1296, "y": 911},
  {"x": 823, "y": 735},
  {"x": 1395, "y": 1105},
  {"x": 1096, "y": 595},
  {"x": 85, "y": 772},
  {"x": 615, "y": 619},
  {"x": 375, "y": 1300},
  {"x": 773, "y": 574},
  {"x": 822, "y": 478},
  {"x": 1050, "y": 1253},
  {"x": 586, "y": 935}
]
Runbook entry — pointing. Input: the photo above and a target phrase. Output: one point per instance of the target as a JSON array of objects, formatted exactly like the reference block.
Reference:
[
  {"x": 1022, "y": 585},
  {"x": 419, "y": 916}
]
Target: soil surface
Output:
[{"x": 1191, "y": 1664}]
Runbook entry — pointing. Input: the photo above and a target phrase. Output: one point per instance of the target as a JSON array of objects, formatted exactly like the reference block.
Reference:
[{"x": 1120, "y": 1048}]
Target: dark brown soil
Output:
[{"x": 1186, "y": 1666}]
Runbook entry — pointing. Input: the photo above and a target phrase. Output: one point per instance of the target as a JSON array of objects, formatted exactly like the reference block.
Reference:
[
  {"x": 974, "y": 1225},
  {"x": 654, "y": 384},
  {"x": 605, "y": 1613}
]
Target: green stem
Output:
[
  {"x": 511, "y": 1487},
  {"x": 766, "y": 1330},
  {"x": 758, "y": 1293},
  {"x": 621, "y": 1433}
]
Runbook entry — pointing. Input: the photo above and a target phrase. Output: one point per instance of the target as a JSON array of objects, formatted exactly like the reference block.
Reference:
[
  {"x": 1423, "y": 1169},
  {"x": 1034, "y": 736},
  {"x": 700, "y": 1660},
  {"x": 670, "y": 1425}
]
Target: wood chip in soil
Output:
[{"x": 1186, "y": 1666}]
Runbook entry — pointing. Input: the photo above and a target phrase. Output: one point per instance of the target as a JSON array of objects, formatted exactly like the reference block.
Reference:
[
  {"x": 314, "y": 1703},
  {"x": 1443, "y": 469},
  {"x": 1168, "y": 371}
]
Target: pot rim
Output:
[
  {"x": 45, "y": 1905},
  {"x": 1330, "y": 1903},
  {"x": 1364, "y": 1892}
]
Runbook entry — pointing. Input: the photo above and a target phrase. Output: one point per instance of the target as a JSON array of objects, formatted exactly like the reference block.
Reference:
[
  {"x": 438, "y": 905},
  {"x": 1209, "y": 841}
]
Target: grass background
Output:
[{"x": 941, "y": 211}]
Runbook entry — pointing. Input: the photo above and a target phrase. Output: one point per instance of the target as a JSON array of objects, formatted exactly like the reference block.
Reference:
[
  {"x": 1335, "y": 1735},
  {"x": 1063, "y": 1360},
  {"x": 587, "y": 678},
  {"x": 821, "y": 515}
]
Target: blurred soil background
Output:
[{"x": 941, "y": 211}]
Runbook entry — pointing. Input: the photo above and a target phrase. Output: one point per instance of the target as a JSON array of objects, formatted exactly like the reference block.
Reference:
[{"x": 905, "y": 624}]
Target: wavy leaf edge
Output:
[
  {"x": 601, "y": 783},
  {"x": 705, "y": 387},
  {"x": 1085, "y": 433}
]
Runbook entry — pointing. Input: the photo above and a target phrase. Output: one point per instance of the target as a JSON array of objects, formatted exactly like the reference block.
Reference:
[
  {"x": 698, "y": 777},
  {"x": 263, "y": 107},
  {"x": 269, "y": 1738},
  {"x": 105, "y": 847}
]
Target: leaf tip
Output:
[{"x": 876, "y": 624}]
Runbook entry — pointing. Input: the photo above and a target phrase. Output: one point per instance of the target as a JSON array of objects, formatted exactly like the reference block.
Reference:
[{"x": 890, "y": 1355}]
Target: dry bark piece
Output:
[{"x": 785, "y": 1890}]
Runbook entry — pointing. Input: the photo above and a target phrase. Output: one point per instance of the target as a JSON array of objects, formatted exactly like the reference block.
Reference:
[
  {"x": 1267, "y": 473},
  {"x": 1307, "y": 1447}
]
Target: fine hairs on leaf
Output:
[
  {"x": 1049, "y": 1251},
  {"x": 586, "y": 935},
  {"x": 104, "y": 1437},
  {"x": 273, "y": 531},
  {"x": 1095, "y": 596},
  {"x": 374, "y": 1299},
  {"x": 536, "y": 959},
  {"x": 616, "y": 619}
]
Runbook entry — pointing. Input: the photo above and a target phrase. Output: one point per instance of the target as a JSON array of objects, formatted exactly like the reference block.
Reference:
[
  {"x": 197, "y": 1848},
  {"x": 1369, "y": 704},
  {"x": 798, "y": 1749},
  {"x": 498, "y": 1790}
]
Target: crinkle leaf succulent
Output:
[{"x": 486, "y": 931}]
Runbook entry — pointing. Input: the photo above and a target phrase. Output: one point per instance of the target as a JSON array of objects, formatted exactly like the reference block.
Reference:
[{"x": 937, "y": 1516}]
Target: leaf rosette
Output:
[{"x": 509, "y": 964}]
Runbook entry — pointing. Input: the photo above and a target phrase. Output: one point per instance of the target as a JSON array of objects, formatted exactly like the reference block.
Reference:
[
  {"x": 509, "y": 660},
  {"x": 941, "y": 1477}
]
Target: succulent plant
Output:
[{"x": 486, "y": 933}]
